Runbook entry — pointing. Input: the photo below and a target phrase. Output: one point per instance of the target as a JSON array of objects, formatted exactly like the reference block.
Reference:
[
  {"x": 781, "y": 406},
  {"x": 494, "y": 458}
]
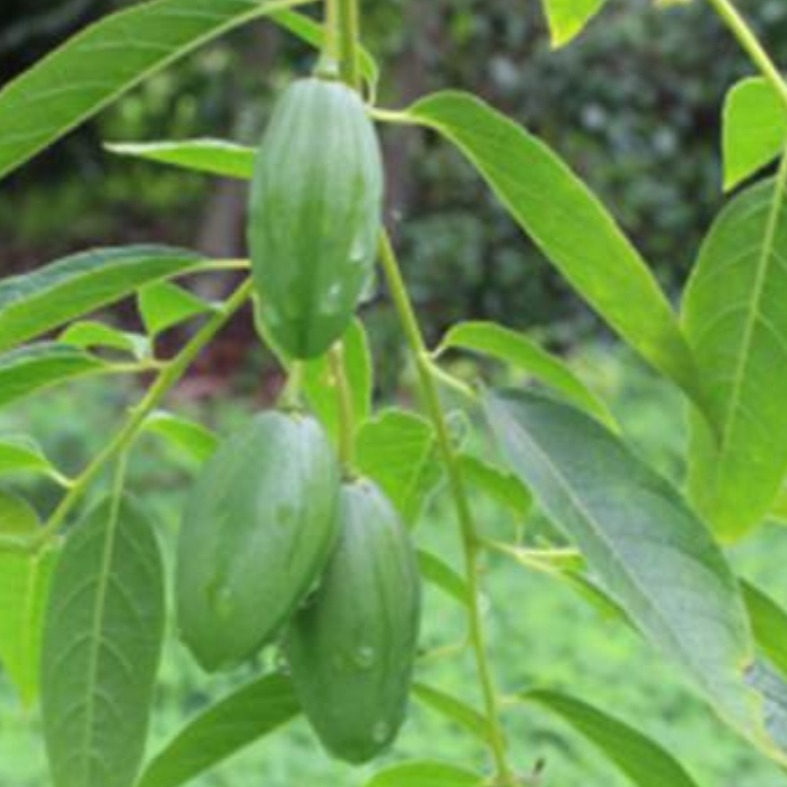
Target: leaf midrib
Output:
[
  {"x": 96, "y": 638},
  {"x": 753, "y": 311},
  {"x": 586, "y": 514},
  {"x": 29, "y": 630}
]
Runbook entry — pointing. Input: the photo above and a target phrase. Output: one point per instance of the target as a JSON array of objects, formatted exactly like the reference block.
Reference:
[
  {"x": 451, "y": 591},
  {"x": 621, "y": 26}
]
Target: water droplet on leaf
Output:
[
  {"x": 365, "y": 656},
  {"x": 381, "y": 731}
]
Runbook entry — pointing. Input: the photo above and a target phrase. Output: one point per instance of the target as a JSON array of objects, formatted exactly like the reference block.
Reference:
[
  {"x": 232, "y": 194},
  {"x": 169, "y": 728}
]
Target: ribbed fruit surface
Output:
[
  {"x": 315, "y": 214},
  {"x": 257, "y": 532},
  {"x": 351, "y": 648}
]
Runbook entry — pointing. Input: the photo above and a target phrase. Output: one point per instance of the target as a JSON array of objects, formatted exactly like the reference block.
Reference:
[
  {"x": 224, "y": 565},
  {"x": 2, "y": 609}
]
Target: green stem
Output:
[
  {"x": 330, "y": 51},
  {"x": 750, "y": 43},
  {"x": 345, "y": 401},
  {"x": 349, "y": 35},
  {"x": 470, "y": 541},
  {"x": 168, "y": 377},
  {"x": 290, "y": 398}
]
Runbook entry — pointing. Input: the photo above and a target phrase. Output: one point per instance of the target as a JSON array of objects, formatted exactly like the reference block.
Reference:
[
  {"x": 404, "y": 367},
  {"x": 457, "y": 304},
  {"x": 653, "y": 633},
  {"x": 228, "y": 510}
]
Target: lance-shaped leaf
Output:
[
  {"x": 645, "y": 762},
  {"x": 568, "y": 223},
  {"x": 398, "y": 450},
  {"x": 754, "y": 130},
  {"x": 647, "y": 547},
  {"x": 567, "y": 18},
  {"x": 454, "y": 709},
  {"x": 225, "y": 728},
  {"x": 207, "y": 156},
  {"x": 190, "y": 437},
  {"x": 21, "y": 454},
  {"x": 437, "y": 572},
  {"x": 425, "y": 773},
  {"x": 24, "y": 584},
  {"x": 735, "y": 317},
  {"x": 30, "y": 369},
  {"x": 90, "y": 334},
  {"x": 521, "y": 352},
  {"x": 101, "y": 63},
  {"x": 499, "y": 485},
  {"x": 102, "y": 642},
  {"x": 57, "y": 293},
  {"x": 162, "y": 305}
]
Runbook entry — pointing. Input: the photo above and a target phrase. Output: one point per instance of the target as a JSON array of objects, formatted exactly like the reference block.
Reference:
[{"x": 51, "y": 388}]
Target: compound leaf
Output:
[
  {"x": 57, "y": 293},
  {"x": 105, "y": 60}
]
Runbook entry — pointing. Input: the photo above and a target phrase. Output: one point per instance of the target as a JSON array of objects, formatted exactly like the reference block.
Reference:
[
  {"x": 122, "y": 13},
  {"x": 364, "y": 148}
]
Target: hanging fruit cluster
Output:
[{"x": 275, "y": 547}]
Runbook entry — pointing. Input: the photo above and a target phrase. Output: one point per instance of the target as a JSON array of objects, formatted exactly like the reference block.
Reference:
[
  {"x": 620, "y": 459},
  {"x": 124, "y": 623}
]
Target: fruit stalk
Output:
[
  {"x": 345, "y": 401},
  {"x": 470, "y": 541},
  {"x": 348, "y": 31}
]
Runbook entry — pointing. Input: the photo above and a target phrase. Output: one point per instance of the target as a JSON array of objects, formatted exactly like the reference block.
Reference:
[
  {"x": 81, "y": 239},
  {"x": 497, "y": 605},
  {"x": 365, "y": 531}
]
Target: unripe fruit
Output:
[
  {"x": 257, "y": 531},
  {"x": 315, "y": 214},
  {"x": 352, "y": 647}
]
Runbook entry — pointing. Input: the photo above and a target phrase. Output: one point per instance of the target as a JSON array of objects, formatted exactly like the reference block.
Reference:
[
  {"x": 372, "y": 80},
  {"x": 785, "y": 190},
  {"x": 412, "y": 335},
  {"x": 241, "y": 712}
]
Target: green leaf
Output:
[
  {"x": 23, "y": 455},
  {"x": 499, "y": 485},
  {"x": 754, "y": 129},
  {"x": 208, "y": 156},
  {"x": 397, "y": 449},
  {"x": 103, "y": 61},
  {"x": 769, "y": 622},
  {"x": 735, "y": 317},
  {"x": 90, "y": 334},
  {"x": 779, "y": 511},
  {"x": 319, "y": 384},
  {"x": 522, "y": 353},
  {"x": 225, "y": 728},
  {"x": 436, "y": 571},
  {"x": 17, "y": 516},
  {"x": 162, "y": 305},
  {"x": 454, "y": 709},
  {"x": 425, "y": 773},
  {"x": 648, "y": 549},
  {"x": 569, "y": 224},
  {"x": 770, "y": 685},
  {"x": 102, "y": 642},
  {"x": 53, "y": 295},
  {"x": 30, "y": 369},
  {"x": 24, "y": 585},
  {"x": 645, "y": 762},
  {"x": 190, "y": 437},
  {"x": 567, "y": 18}
]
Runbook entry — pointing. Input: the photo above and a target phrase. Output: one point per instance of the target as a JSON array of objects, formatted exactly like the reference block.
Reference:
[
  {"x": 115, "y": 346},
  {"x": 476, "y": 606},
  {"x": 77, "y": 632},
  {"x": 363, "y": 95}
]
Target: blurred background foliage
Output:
[{"x": 634, "y": 106}]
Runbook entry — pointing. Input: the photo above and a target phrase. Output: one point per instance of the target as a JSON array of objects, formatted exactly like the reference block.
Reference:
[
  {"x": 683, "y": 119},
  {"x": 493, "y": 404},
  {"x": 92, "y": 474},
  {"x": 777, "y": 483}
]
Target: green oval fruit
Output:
[
  {"x": 257, "y": 530},
  {"x": 315, "y": 214},
  {"x": 351, "y": 648}
]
